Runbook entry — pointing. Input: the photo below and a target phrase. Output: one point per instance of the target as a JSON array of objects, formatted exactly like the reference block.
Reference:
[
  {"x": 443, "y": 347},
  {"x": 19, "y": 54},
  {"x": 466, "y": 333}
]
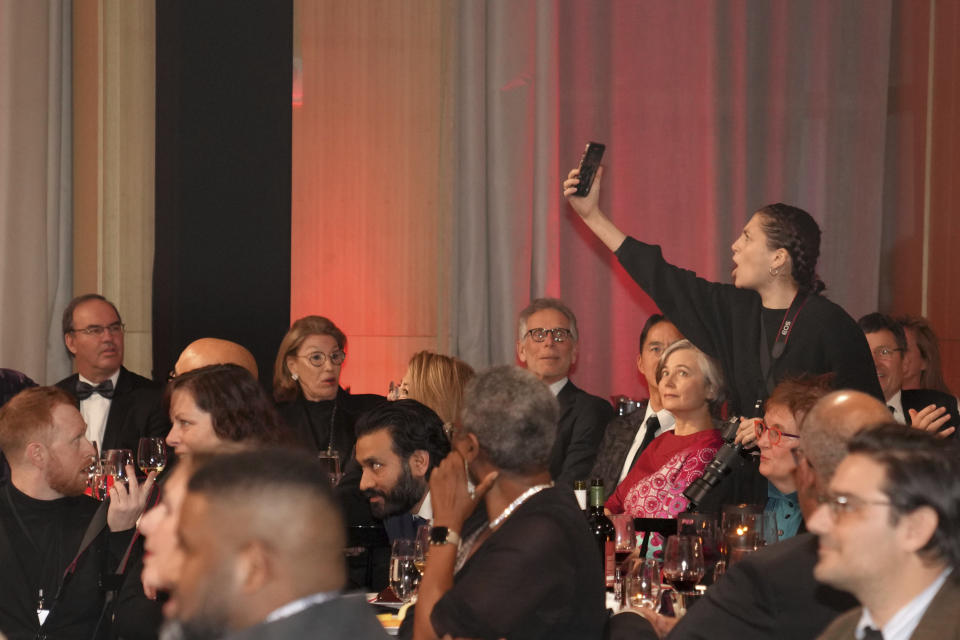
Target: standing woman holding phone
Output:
[{"x": 771, "y": 324}]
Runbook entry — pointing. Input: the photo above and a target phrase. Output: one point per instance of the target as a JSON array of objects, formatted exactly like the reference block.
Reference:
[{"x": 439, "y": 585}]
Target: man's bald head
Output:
[
  {"x": 832, "y": 422},
  {"x": 207, "y": 351}
]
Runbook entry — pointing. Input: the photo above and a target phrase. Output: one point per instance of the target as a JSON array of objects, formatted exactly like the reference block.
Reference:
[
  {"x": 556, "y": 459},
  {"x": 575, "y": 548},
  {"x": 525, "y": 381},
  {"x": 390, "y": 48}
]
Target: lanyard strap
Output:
[{"x": 768, "y": 356}]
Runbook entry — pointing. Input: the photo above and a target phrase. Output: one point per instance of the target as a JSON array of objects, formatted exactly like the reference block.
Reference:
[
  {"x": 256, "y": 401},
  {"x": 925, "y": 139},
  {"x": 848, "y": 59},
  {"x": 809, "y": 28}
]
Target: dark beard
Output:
[{"x": 405, "y": 494}]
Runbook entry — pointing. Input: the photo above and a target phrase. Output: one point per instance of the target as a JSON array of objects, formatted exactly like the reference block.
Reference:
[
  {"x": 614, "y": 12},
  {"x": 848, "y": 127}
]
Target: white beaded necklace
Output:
[{"x": 523, "y": 497}]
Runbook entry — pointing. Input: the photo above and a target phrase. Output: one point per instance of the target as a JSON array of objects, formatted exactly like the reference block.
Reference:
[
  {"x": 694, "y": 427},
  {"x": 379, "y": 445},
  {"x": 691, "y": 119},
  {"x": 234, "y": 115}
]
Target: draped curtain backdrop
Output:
[
  {"x": 35, "y": 185},
  {"x": 709, "y": 111}
]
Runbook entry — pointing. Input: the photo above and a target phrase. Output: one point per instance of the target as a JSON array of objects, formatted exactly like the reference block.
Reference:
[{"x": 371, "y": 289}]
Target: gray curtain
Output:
[
  {"x": 709, "y": 110},
  {"x": 35, "y": 185}
]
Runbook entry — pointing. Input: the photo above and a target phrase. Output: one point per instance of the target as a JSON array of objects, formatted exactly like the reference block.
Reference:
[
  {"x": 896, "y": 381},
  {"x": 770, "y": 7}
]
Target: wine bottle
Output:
[{"x": 603, "y": 531}]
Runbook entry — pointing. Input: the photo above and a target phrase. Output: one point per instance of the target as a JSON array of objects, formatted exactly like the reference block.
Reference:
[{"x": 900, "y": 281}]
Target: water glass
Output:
[
  {"x": 404, "y": 577},
  {"x": 643, "y": 584}
]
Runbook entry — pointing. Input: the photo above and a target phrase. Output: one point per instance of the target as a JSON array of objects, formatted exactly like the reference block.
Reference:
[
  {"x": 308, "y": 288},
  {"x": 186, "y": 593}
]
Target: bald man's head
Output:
[
  {"x": 832, "y": 422},
  {"x": 207, "y": 351}
]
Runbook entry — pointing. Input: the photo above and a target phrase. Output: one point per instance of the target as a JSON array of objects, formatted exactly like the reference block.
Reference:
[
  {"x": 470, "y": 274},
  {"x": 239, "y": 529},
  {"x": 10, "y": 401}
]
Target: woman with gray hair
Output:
[
  {"x": 690, "y": 385},
  {"x": 534, "y": 571}
]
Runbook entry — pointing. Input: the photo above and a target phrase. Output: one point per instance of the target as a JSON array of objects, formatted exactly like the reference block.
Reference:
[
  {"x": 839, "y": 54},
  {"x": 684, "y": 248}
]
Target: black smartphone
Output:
[{"x": 589, "y": 163}]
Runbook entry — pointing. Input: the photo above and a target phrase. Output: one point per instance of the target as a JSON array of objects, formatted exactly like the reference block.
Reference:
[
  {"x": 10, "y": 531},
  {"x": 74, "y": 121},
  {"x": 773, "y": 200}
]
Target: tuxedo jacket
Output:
[
  {"x": 343, "y": 618},
  {"x": 583, "y": 418},
  {"x": 618, "y": 437},
  {"x": 941, "y": 621},
  {"x": 770, "y": 594},
  {"x": 136, "y": 411},
  {"x": 917, "y": 399}
]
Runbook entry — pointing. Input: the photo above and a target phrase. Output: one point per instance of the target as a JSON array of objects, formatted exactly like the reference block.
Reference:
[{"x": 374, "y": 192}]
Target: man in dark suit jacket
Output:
[
  {"x": 773, "y": 593},
  {"x": 118, "y": 406},
  {"x": 888, "y": 534},
  {"x": 627, "y": 436},
  {"x": 928, "y": 409},
  {"x": 548, "y": 344},
  {"x": 243, "y": 576}
]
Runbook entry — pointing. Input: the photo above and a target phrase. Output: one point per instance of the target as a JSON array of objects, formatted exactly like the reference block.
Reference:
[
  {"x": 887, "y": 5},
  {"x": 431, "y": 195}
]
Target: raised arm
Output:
[{"x": 588, "y": 209}]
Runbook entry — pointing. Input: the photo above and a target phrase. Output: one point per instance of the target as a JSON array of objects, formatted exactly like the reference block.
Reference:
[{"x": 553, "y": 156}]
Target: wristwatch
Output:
[{"x": 443, "y": 535}]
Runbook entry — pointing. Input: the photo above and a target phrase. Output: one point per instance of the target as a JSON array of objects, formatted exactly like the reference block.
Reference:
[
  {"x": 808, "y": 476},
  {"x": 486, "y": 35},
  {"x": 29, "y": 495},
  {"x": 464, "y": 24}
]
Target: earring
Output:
[
  {"x": 294, "y": 376},
  {"x": 774, "y": 271}
]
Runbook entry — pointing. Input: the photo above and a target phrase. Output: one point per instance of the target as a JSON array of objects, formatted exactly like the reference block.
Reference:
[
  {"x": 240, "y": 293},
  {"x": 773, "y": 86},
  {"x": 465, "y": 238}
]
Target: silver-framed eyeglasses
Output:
[
  {"x": 560, "y": 334},
  {"x": 96, "y": 330},
  {"x": 319, "y": 358},
  {"x": 841, "y": 504}
]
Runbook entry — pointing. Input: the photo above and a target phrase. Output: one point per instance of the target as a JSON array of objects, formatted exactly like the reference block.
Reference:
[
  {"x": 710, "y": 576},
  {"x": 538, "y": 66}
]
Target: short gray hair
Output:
[
  {"x": 513, "y": 416},
  {"x": 712, "y": 375},
  {"x": 541, "y": 304}
]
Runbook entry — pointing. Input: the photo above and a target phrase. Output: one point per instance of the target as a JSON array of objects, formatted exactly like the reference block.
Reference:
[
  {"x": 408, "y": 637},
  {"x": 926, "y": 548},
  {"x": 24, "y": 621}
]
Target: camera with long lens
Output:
[{"x": 725, "y": 461}]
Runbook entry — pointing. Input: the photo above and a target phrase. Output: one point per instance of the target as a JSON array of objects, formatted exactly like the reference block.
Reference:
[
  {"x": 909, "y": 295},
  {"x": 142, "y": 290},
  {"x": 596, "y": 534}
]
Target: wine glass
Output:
[
  {"x": 703, "y": 525},
  {"x": 422, "y": 547},
  {"x": 683, "y": 562},
  {"x": 626, "y": 540},
  {"x": 151, "y": 455},
  {"x": 403, "y": 571},
  {"x": 115, "y": 462},
  {"x": 643, "y": 584},
  {"x": 96, "y": 479}
]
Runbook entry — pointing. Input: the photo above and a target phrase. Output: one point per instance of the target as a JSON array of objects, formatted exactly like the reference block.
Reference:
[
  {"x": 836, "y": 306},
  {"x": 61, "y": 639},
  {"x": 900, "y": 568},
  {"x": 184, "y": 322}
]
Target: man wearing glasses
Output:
[
  {"x": 928, "y": 409},
  {"x": 889, "y": 528},
  {"x": 547, "y": 345},
  {"x": 118, "y": 406}
]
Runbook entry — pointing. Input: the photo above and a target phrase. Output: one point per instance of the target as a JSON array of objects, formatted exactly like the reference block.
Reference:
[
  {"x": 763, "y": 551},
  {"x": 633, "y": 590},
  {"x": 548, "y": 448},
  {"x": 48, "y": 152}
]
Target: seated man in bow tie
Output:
[
  {"x": 118, "y": 406},
  {"x": 398, "y": 445}
]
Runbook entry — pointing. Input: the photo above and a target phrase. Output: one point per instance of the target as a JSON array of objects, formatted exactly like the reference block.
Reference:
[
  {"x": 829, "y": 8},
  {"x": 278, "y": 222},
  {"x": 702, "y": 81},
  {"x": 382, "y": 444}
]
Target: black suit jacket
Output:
[
  {"x": 583, "y": 418},
  {"x": 618, "y": 437},
  {"x": 136, "y": 411},
  {"x": 770, "y": 594},
  {"x": 917, "y": 399},
  {"x": 345, "y": 617}
]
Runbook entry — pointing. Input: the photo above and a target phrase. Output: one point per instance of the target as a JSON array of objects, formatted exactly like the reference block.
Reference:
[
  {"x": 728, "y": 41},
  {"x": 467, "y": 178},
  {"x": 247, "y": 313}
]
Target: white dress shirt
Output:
[
  {"x": 896, "y": 404},
  {"x": 558, "y": 385},
  {"x": 904, "y": 622},
  {"x": 95, "y": 410},
  {"x": 667, "y": 423}
]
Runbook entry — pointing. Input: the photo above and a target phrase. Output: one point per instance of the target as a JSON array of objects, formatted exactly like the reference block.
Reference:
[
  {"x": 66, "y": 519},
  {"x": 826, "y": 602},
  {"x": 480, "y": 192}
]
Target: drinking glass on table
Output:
[
  {"x": 404, "y": 577},
  {"x": 703, "y": 525},
  {"x": 742, "y": 532},
  {"x": 683, "y": 562},
  {"x": 626, "y": 540},
  {"x": 643, "y": 584},
  {"x": 421, "y": 547},
  {"x": 151, "y": 455}
]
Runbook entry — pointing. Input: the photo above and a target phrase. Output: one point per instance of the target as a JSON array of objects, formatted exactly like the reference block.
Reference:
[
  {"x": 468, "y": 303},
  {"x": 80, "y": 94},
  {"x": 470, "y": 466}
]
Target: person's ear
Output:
[
  {"x": 252, "y": 567},
  {"x": 467, "y": 446},
  {"x": 70, "y": 340},
  {"x": 521, "y": 356},
  {"x": 915, "y": 529},
  {"x": 419, "y": 462},
  {"x": 37, "y": 454}
]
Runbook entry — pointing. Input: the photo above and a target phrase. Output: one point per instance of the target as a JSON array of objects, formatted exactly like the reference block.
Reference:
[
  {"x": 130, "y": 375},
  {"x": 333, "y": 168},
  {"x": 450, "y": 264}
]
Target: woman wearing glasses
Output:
[
  {"x": 306, "y": 386},
  {"x": 777, "y": 437}
]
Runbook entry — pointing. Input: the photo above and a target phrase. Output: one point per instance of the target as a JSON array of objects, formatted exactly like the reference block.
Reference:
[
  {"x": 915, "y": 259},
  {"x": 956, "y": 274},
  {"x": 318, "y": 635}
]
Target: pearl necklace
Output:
[{"x": 516, "y": 503}]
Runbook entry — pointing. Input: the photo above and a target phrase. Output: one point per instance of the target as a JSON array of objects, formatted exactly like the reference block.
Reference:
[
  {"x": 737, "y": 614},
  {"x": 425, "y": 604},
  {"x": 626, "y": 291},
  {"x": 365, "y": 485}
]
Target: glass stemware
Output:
[
  {"x": 115, "y": 462},
  {"x": 151, "y": 455},
  {"x": 683, "y": 562},
  {"x": 404, "y": 576},
  {"x": 422, "y": 547}
]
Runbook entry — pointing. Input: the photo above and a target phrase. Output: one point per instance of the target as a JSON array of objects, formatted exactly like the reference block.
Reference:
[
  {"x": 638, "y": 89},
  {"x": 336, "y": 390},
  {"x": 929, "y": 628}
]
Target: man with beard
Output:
[
  {"x": 398, "y": 445},
  {"x": 244, "y": 577},
  {"x": 56, "y": 543}
]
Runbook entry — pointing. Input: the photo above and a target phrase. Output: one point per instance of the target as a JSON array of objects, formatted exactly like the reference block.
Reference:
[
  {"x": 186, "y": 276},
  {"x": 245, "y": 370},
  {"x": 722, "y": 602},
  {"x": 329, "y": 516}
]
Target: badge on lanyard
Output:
[{"x": 42, "y": 611}]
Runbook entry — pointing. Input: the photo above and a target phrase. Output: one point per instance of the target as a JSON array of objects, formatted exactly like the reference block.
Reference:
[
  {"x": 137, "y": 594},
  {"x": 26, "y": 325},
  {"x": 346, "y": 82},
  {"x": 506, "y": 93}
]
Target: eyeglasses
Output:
[
  {"x": 775, "y": 435},
  {"x": 885, "y": 353},
  {"x": 559, "y": 334},
  {"x": 319, "y": 358},
  {"x": 841, "y": 504},
  {"x": 96, "y": 330}
]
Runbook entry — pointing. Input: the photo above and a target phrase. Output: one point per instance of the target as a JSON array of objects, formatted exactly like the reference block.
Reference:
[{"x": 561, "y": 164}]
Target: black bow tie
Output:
[{"x": 85, "y": 390}]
